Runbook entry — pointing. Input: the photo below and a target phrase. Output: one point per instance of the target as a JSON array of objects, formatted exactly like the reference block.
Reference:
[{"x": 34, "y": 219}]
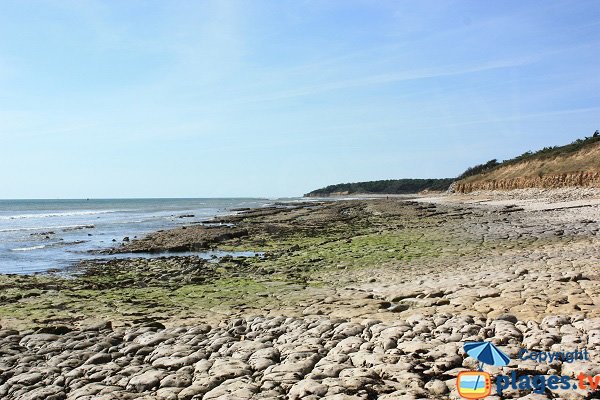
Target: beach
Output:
[
  {"x": 299, "y": 200},
  {"x": 349, "y": 299}
]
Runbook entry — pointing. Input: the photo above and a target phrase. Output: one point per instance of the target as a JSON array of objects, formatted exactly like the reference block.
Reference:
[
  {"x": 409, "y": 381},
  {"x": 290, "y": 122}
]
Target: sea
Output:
[{"x": 41, "y": 235}]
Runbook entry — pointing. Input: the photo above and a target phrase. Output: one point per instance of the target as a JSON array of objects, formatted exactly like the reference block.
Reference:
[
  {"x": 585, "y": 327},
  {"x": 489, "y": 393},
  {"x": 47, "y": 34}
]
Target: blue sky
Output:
[{"x": 276, "y": 98}]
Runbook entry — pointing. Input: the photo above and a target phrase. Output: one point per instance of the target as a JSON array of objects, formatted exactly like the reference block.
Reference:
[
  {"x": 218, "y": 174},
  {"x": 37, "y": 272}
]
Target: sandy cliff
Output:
[
  {"x": 588, "y": 179},
  {"x": 566, "y": 169}
]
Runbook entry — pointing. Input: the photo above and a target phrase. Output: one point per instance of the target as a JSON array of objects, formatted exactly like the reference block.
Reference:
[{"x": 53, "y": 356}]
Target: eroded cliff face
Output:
[{"x": 573, "y": 179}]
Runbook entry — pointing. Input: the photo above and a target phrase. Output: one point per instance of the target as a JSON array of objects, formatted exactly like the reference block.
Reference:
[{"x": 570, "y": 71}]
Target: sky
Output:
[{"x": 102, "y": 99}]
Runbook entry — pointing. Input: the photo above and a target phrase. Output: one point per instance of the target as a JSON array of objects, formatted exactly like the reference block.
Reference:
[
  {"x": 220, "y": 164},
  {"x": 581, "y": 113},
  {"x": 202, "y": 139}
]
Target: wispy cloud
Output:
[
  {"x": 281, "y": 86},
  {"x": 381, "y": 79}
]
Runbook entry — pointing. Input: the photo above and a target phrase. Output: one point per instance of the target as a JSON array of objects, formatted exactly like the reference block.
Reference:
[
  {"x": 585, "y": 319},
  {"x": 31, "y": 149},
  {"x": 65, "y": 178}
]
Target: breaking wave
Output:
[
  {"x": 58, "y": 214},
  {"x": 41, "y": 228},
  {"x": 41, "y": 246}
]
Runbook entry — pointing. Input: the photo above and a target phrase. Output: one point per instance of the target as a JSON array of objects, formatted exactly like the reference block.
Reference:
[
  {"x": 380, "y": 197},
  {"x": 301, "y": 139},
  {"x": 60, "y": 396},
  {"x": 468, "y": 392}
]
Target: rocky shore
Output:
[
  {"x": 279, "y": 358},
  {"x": 364, "y": 299}
]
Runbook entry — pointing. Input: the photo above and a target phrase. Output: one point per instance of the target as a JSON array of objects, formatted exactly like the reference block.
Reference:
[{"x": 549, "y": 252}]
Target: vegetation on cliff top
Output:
[
  {"x": 391, "y": 186},
  {"x": 580, "y": 155},
  {"x": 556, "y": 151},
  {"x": 545, "y": 153}
]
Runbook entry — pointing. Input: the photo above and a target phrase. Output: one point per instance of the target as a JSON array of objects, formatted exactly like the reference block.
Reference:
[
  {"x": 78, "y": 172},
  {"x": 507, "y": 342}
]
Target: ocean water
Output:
[{"x": 38, "y": 235}]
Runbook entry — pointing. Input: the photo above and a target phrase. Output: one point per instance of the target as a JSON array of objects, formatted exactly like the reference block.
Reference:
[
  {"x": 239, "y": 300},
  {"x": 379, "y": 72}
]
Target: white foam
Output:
[
  {"x": 45, "y": 228},
  {"x": 61, "y": 214},
  {"x": 41, "y": 246}
]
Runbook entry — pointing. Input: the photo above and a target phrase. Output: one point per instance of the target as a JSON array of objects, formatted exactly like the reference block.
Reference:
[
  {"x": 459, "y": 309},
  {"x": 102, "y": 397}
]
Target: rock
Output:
[
  {"x": 228, "y": 368},
  {"x": 399, "y": 307},
  {"x": 45, "y": 393},
  {"x": 307, "y": 387},
  {"x": 97, "y": 326},
  {"x": 169, "y": 393},
  {"x": 555, "y": 321},
  {"x": 55, "y": 330},
  {"x": 507, "y": 317},
  {"x": 89, "y": 390},
  {"x": 179, "y": 380},
  {"x": 146, "y": 381},
  {"x": 101, "y": 358},
  {"x": 196, "y": 389},
  {"x": 437, "y": 387},
  {"x": 588, "y": 324},
  {"x": 27, "y": 379},
  {"x": 238, "y": 388}
]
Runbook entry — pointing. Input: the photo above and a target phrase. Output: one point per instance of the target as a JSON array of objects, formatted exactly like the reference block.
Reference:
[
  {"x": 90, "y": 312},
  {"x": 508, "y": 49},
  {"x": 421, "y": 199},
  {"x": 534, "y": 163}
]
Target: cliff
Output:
[
  {"x": 590, "y": 179},
  {"x": 576, "y": 164}
]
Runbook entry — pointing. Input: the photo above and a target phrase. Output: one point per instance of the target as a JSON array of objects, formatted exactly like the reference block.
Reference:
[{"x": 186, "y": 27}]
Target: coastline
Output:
[
  {"x": 38, "y": 234},
  {"x": 414, "y": 278}
]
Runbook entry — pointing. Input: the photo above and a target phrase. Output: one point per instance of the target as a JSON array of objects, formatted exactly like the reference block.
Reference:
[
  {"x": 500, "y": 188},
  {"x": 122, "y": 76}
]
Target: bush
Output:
[
  {"x": 545, "y": 153},
  {"x": 391, "y": 186},
  {"x": 478, "y": 169}
]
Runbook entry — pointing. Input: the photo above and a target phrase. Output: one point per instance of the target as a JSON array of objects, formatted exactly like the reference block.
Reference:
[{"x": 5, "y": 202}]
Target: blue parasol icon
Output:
[{"x": 486, "y": 353}]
